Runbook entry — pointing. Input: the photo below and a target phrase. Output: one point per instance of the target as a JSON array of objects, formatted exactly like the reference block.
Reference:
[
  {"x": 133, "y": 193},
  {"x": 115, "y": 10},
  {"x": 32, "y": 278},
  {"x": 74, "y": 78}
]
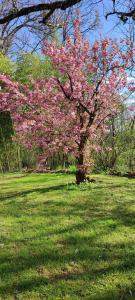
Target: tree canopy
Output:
[{"x": 68, "y": 110}]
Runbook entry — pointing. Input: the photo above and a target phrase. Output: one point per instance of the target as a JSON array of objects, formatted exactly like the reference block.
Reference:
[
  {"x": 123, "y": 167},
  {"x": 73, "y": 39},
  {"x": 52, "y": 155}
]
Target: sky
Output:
[
  {"x": 112, "y": 27},
  {"x": 115, "y": 29}
]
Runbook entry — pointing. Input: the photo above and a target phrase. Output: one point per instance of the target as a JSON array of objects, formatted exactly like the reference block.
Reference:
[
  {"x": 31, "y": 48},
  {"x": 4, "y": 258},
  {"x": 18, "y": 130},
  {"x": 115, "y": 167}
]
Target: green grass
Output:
[{"x": 60, "y": 241}]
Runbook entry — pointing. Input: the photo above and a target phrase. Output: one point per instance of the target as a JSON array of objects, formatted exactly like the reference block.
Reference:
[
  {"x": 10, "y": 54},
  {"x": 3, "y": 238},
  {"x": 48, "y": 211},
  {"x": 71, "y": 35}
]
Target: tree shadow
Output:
[
  {"x": 122, "y": 213},
  {"x": 70, "y": 246},
  {"x": 7, "y": 196},
  {"x": 69, "y": 276}
]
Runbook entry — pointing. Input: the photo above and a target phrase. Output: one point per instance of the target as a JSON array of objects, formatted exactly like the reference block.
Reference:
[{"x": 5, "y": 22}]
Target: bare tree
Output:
[
  {"x": 17, "y": 9},
  {"x": 124, "y": 9},
  {"x": 24, "y": 26}
]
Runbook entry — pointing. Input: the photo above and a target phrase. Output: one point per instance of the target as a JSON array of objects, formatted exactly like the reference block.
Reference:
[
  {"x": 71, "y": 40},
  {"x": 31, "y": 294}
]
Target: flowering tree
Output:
[{"x": 69, "y": 110}]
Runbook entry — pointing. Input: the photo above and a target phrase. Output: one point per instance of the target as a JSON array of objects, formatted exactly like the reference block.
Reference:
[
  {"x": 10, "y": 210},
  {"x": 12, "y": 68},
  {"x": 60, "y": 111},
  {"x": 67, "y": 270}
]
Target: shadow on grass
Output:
[
  {"x": 90, "y": 250},
  {"x": 34, "y": 190},
  {"x": 70, "y": 247},
  {"x": 88, "y": 274},
  {"x": 124, "y": 215}
]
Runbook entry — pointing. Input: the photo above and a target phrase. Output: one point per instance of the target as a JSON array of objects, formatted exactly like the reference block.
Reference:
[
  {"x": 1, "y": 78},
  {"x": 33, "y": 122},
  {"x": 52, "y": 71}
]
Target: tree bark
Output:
[
  {"x": 81, "y": 171},
  {"x": 83, "y": 149},
  {"x": 26, "y": 10},
  {"x": 84, "y": 161}
]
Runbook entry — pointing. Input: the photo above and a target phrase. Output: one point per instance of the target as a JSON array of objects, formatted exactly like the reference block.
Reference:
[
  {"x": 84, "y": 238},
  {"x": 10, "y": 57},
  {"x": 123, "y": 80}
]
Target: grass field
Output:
[{"x": 59, "y": 241}]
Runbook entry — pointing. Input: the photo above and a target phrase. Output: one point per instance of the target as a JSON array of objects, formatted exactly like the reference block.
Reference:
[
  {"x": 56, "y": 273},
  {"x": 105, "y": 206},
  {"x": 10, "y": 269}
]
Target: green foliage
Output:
[
  {"x": 28, "y": 158},
  {"x": 126, "y": 161},
  {"x": 6, "y": 65},
  {"x": 72, "y": 169},
  {"x": 60, "y": 241},
  {"x": 6, "y": 127},
  {"x": 10, "y": 159},
  {"x": 14, "y": 157},
  {"x": 32, "y": 66},
  {"x": 121, "y": 157},
  {"x": 28, "y": 66},
  {"x": 61, "y": 161}
]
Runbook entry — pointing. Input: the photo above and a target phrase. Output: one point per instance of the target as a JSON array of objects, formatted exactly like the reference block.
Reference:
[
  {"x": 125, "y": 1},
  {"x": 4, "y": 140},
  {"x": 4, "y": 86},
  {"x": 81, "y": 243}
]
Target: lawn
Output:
[{"x": 59, "y": 241}]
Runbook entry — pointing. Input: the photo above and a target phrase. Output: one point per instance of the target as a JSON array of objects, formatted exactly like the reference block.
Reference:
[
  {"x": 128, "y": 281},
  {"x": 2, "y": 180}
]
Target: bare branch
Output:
[
  {"x": 123, "y": 15},
  {"x": 51, "y": 7},
  {"x": 124, "y": 10}
]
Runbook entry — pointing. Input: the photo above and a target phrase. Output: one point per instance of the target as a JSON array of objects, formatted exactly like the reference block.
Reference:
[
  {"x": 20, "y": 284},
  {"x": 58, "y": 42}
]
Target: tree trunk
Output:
[
  {"x": 80, "y": 175},
  {"x": 84, "y": 148},
  {"x": 84, "y": 161}
]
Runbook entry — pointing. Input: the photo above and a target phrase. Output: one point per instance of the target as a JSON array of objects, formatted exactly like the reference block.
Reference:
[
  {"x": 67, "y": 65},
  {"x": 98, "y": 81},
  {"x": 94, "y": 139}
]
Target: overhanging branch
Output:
[
  {"x": 123, "y": 15},
  {"x": 48, "y": 7}
]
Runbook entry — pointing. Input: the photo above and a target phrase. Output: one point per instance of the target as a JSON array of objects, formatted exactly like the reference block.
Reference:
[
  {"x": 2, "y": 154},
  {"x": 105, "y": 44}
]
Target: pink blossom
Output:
[{"x": 57, "y": 113}]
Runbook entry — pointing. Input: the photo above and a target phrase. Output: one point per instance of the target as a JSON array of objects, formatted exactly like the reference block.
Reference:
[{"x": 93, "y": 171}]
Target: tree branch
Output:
[
  {"x": 64, "y": 92},
  {"x": 51, "y": 7},
  {"x": 123, "y": 15}
]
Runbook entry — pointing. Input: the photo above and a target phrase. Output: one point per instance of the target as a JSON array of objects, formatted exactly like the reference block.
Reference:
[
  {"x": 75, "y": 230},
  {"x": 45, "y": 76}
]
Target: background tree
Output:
[
  {"x": 31, "y": 66},
  {"x": 24, "y": 25},
  {"x": 115, "y": 157},
  {"x": 123, "y": 9},
  {"x": 28, "y": 67}
]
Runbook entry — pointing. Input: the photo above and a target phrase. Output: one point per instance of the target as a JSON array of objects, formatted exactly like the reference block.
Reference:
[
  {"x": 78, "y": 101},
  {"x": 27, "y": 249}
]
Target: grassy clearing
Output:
[{"x": 59, "y": 241}]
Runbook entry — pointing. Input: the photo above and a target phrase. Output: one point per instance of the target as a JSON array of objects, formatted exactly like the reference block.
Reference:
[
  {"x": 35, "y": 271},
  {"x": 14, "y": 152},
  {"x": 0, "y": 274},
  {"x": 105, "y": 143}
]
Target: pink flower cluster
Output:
[{"x": 59, "y": 110}]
